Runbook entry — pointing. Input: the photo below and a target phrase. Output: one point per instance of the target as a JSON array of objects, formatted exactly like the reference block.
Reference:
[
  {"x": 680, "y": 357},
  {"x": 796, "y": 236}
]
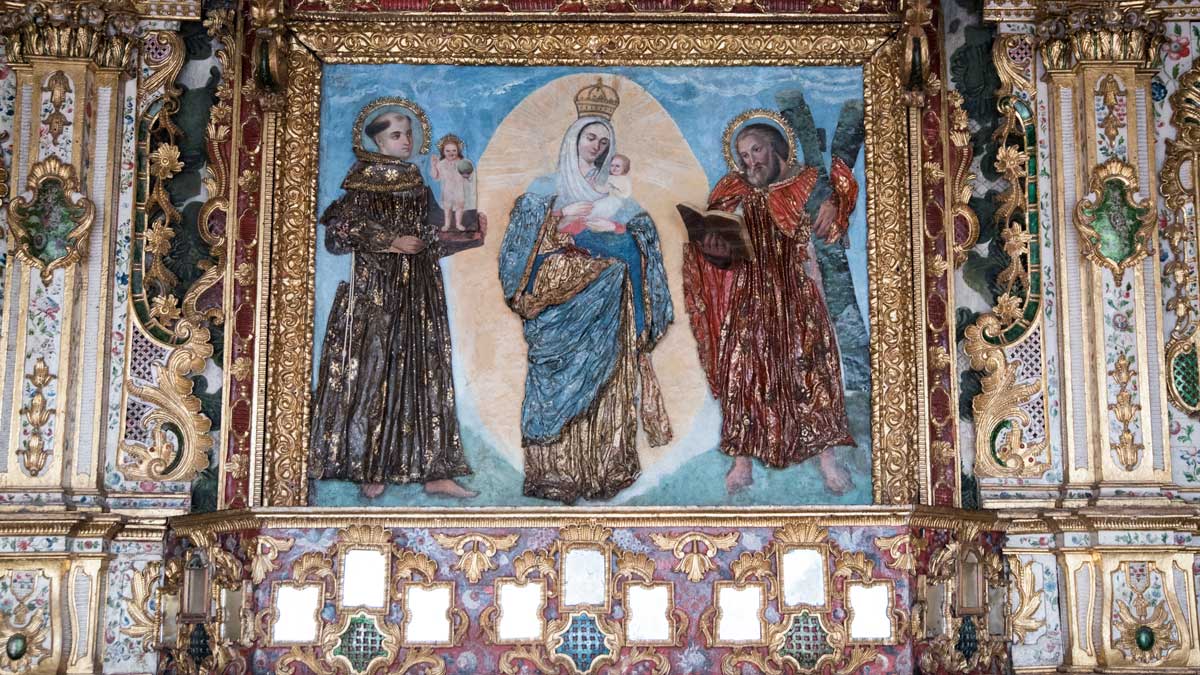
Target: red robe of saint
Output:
[{"x": 764, "y": 333}]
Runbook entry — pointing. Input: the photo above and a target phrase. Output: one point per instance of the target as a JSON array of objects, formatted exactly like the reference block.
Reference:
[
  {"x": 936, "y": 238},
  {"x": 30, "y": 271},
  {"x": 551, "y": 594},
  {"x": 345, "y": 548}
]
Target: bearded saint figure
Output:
[{"x": 762, "y": 328}]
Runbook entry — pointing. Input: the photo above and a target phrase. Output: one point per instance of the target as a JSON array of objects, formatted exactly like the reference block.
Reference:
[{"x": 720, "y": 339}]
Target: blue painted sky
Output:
[{"x": 472, "y": 101}]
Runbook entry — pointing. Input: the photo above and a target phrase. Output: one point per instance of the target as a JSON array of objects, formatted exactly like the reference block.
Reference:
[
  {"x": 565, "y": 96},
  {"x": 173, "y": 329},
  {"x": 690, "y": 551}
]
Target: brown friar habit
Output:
[{"x": 384, "y": 405}]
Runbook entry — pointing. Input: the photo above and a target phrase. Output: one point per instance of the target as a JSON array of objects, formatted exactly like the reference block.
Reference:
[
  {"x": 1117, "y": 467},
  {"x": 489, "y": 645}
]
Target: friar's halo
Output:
[{"x": 488, "y": 342}]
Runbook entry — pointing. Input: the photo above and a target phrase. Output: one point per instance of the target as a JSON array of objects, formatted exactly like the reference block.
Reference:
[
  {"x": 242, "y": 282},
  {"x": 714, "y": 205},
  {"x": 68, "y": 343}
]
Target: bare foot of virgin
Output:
[
  {"x": 739, "y": 477},
  {"x": 372, "y": 490},
  {"x": 447, "y": 487},
  {"x": 837, "y": 479}
]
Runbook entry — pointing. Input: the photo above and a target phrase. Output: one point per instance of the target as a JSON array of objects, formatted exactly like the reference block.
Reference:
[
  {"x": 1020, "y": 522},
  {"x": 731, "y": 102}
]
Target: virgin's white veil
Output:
[{"x": 570, "y": 185}]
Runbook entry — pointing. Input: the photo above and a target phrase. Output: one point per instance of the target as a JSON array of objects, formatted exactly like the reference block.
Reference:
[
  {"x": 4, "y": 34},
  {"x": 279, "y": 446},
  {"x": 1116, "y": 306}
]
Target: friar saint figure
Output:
[{"x": 384, "y": 410}]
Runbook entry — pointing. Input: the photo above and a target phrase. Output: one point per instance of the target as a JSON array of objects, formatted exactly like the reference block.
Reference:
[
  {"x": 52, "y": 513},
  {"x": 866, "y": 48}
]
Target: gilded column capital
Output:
[
  {"x": 102, "y": 31},
  {"x": 1108, "y": 31}
]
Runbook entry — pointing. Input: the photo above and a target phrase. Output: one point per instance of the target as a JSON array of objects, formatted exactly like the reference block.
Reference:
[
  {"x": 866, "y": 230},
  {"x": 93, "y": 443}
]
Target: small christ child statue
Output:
[
  {"x": 455, "y": 175},
  {"x": 619, "y": 188}
]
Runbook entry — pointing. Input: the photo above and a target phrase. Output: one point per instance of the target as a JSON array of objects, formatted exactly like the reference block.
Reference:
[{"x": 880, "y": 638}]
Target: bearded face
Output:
[{"x": 759, "y": 159}]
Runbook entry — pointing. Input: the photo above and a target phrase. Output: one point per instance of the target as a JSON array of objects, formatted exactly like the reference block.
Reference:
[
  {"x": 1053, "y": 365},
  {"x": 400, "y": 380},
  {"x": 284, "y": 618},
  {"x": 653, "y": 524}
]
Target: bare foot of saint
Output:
[
  {"x": 372, "y": 490},
  {"x": 739, "y": 477},
  {"x": 447, "y": 487},
  {"x": 837, "y": 479}
]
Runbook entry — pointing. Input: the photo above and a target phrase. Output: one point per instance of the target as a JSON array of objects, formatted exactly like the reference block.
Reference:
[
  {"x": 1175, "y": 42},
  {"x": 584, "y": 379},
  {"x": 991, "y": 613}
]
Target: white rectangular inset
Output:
[
  {"x": 521, "y": 606},
  {"x": 585, "y": 577},
  {"x": 427, "y": 614},
  {"x": 740, "y": 613},
  {"x": 802, "y": 575},
  {"x": 997, "y": 609},
  {"x": 935, "y": 610},
  {"x": 232, "y": 601},
  {"x": 648, "y": 614},
  {"x": 870, "y": 612},
  {"x": 169, "y": 630},
  {"x": 364, "y": 578},
  {"x": 296, "y": 609}
]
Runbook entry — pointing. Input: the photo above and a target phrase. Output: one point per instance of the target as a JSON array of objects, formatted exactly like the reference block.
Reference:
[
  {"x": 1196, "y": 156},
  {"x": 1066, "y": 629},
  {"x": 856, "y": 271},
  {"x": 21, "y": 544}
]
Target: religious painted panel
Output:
[{"x": 649, "y": 281}]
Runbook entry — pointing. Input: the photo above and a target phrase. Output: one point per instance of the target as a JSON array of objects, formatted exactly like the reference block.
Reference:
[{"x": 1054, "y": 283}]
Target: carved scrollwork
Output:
[
  {"x": 179, "y": 431},
  {"x": 961, "y": 181},
  {"x": 695, "y": 551},
  {"x": 475, "y": 551},
  {"x": 1178, "y": 184},
  {"x": 1023, "y": 621},
  {"x": 143, "y": 606},
  {"x": 165, "y": 306},
  {"x": 1000, "y": 446}
]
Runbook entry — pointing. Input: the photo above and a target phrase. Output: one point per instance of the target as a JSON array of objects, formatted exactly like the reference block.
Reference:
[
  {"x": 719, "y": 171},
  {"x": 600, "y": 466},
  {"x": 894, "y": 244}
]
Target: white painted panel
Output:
[
  {"x": 520, "y": 611},
  {"x": 296, "y": 610},
  {"x": 364, "y": 578},
  {"x": 428, "y": 615},
  {"x": 740, "y": 613},
  {"x": 584, "y": 572},
  {"x": 802, "y": 575},
  {"x": 648, "y": 614},
  {"x": 871, "y": 619}
]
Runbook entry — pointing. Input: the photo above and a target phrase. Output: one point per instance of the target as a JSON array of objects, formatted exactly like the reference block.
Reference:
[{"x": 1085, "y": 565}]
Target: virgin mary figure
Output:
[{"x": 590, "y": 286}]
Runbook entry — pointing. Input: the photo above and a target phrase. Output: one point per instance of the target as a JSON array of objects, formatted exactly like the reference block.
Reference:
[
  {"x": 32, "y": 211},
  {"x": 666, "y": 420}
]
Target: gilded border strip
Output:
[{"x": 890, "y": 246}]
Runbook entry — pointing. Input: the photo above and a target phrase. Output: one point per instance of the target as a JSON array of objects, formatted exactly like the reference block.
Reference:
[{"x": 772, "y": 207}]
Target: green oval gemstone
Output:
[
  {"x": 16, "y": 646},
  {"x": 1144, "y": 638}
]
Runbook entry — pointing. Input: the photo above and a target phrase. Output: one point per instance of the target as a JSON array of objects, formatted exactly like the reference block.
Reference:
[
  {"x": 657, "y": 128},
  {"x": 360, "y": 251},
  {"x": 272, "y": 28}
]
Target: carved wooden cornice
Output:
[
  {"x": 1108, "y": 31},
  {"x": 104, "y": 32}
]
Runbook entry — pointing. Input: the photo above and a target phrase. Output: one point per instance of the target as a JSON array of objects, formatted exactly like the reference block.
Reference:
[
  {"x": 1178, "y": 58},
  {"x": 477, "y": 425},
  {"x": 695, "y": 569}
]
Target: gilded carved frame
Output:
[{"x": 895, "y": 254}]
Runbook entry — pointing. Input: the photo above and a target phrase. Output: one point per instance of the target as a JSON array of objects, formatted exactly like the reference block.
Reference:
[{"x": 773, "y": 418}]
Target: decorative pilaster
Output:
[
  {"x": 1099, "y": 59},
  {"x": 69, "y": 60}
]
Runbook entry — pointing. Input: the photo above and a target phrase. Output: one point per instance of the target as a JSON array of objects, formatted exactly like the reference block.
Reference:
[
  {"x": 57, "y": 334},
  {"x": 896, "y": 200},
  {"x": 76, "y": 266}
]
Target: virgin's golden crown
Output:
[{"x": 597, "y": 100}]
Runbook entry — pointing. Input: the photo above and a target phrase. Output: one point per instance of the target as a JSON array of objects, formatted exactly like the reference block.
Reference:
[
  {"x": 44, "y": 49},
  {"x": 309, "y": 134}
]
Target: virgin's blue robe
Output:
[{"x": 575, "y": 342}]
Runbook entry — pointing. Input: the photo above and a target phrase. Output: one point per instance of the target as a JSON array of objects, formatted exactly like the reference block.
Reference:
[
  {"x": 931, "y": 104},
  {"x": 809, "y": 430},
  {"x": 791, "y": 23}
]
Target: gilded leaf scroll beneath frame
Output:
[
  {"x": 179, "y": 430},
  {"x": 1024, "y": 621},
  {"x": 1000, "y": 446},
  {"x": 1178, "y": 181},
  {"x": 51, "y": 219}
]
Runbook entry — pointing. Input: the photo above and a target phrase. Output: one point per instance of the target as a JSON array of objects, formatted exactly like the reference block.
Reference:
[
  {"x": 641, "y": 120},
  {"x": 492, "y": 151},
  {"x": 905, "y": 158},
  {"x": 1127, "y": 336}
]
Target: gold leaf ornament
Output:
[
  {"x": 164, "y": 161},
  {"x": 1024, "y": 621},
  {"x": 695, "y": 550},
  {"x": 179, "y": 430},
  {"x": 475, "y": 551}
]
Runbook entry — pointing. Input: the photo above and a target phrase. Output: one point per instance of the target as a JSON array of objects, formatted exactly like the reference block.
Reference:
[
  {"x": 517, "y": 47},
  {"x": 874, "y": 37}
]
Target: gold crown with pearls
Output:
[{"x": 597, "y": 100}]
